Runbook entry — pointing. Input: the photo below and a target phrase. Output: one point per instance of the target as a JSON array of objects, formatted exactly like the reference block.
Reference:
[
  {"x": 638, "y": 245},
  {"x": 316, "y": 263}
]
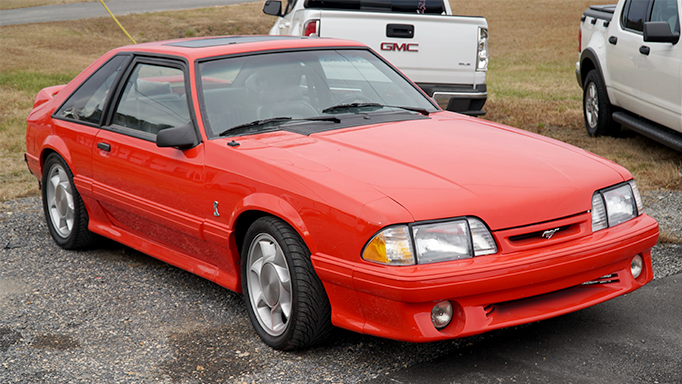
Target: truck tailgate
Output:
[{"x": 442, "y": 50}]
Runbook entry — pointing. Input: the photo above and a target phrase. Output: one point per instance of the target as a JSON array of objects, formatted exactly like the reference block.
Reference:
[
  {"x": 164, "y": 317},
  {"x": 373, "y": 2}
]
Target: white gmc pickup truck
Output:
[
  {"x": 630, "y": 69},
  {"x": 446, "y": 55}
]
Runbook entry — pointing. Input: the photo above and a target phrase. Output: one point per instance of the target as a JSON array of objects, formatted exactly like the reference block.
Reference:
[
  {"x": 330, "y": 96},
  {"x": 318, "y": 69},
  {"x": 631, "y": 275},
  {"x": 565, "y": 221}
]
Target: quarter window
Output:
[
  {"x": 153, "y": 99},
  {"x": 87, "y": 103}
]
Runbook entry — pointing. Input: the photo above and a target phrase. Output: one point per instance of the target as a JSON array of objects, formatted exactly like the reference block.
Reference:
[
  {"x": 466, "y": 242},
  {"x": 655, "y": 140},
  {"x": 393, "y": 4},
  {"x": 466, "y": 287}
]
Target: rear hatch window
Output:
[{"x": 403, "y": 6}]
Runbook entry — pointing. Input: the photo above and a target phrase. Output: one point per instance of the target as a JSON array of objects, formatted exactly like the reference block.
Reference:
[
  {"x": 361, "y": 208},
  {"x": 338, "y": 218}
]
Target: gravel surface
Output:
[{"x": 114, "y": 315}]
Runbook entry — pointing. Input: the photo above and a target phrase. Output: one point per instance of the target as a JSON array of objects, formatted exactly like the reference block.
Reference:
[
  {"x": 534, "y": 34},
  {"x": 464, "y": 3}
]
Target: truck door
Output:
[
  {"x": 622, "y": 52},
  {"x": 659, "y": 66}
]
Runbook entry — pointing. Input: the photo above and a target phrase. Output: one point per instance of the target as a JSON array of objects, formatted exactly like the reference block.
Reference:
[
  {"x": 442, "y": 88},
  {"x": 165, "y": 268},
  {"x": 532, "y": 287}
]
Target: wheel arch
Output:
[
  {"x": 589, "y": 60},
  {"x": 257, "y": 205},
  {"x": 54, "y": 144}
]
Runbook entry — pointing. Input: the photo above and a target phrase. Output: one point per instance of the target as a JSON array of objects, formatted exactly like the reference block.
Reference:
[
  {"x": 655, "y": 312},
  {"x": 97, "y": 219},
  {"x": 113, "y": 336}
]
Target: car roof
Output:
[{"x": 197, "y": 48}]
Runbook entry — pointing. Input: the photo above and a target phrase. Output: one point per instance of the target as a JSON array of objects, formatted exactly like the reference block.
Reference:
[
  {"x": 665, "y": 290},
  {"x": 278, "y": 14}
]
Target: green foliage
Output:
[{"x": 32, "y": 82}]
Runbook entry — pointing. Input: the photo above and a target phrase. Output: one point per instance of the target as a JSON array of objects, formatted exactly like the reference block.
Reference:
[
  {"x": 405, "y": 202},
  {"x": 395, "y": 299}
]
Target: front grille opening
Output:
[
  {"x": 489, "y": 309},
  {"x": 502, "y": 307},
  {"x": 607, "y": 279},
  {"x": 542, "y": 235}
]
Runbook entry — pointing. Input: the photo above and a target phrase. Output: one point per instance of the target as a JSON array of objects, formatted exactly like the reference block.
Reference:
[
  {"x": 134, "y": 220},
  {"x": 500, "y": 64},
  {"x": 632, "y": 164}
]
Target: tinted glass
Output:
[
  {"x": 666, "y": 10},
  {"x": 298, "y": 85},
  {"x": 403, "y": 6},
  {"x": 635, "y": 14},
  {"x": 153, "y": 99},
  {"x": 87, "y": 103}
]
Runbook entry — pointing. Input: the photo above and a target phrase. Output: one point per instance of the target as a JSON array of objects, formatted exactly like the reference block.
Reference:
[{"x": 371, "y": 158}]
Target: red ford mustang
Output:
[{"x": 315, "y": 178}]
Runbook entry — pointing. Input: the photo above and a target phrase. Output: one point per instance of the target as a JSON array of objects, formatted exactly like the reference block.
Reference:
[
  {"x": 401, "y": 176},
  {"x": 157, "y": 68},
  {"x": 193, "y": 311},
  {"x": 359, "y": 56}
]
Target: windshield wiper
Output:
[
  {"x": 339, "y": 107},
  {"x": 272, "y": 120}
]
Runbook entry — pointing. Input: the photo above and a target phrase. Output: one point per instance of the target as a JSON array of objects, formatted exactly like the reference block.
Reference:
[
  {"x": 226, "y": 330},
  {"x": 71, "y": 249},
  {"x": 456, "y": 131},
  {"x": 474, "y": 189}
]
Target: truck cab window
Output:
[
  {"x": 634, "y": 14},
  {"x": 666, "y": 10}
]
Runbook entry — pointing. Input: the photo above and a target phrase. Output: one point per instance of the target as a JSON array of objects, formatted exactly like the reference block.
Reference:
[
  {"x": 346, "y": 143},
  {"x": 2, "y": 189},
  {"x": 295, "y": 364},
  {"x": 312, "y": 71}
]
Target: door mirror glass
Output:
[
  {"x": 273, "y": 8},
  {"x": 183, "y": 137}
]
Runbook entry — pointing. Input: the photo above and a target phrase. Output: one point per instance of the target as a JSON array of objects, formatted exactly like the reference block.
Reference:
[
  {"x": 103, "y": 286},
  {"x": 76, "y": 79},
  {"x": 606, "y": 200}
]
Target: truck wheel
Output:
[
  {"x": 65, "y": 212},
  {"x": 285, "y": 299},
  {"x": 596, "y": 107}
]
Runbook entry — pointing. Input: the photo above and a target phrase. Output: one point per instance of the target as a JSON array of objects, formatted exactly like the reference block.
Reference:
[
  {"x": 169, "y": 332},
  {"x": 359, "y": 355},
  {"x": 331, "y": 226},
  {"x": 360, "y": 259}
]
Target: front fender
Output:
[{"x": 275, "y": 206}]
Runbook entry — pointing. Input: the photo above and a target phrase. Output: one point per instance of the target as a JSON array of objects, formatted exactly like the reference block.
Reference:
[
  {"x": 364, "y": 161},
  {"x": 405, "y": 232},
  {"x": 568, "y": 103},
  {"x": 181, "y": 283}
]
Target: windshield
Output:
[{"x": 301, "y": 85}]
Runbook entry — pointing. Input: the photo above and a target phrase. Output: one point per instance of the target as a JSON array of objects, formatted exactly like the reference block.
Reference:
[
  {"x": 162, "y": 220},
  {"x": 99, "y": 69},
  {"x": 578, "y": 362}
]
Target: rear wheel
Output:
[
  {"x": 65, "y": 212},
  {"x": 596, "y": 107},
  {"x": 285, "y": 299}
]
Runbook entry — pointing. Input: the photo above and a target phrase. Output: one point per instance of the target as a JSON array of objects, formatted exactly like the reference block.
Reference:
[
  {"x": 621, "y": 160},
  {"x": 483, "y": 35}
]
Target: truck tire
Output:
[
  {"x": 596, "y": 107},
  {"x": 285, "y": 299}
]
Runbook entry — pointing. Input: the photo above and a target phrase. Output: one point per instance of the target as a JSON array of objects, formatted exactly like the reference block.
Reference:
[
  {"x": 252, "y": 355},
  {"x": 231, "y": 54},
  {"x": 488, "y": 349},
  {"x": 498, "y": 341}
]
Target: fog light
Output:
[
  {"x": 635, "y": 267},
  {"x": 441, "y": 314}
]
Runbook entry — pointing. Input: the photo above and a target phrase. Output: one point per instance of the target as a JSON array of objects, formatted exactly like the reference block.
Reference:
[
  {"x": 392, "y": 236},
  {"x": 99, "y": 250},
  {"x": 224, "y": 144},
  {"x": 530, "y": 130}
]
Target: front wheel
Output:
[
  {"x": 285, "y": 299},
  {"x": 65, "y": 212},
  {"x": 596, "y": 107}
]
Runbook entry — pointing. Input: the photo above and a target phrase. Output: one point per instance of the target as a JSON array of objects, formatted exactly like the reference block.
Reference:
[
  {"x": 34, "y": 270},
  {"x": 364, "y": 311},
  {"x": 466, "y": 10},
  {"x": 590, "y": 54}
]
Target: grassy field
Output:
[{"x": 531, "y": 80}]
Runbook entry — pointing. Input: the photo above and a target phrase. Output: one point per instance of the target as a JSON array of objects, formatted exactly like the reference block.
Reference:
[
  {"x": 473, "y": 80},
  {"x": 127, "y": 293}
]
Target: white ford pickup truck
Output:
[
  {"x": 630, "y": 69},
  {"x": 446, "y": 55}
]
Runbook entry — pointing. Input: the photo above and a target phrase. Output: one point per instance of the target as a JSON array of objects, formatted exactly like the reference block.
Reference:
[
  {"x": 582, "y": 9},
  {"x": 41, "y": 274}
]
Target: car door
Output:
[
  {"x": 659, "y": 69},
  {"x": 622, "y": 52},
  {"x": 79, "y": 117},
  {"x": 152, "y": 192}
]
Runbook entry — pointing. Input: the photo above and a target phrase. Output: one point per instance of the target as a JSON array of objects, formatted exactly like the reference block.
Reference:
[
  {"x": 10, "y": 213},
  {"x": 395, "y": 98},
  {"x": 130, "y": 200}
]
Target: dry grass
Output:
[
  {"x": 531, "y": 81},
  {"x": 12, "y": 4}
]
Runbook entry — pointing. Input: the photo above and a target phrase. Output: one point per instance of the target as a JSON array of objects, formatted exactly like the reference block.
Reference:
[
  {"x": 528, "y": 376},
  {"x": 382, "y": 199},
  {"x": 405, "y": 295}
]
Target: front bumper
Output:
[{"x": 488, "y": 292}]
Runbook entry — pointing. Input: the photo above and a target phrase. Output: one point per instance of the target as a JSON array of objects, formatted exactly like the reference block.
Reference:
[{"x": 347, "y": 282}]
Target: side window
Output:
[
  {"x": 666, "y": 10},
  {"x": 87, "y": 102},
  {"x": 288, "y": 7},
  {"x": 153, "y": 99},
  {"x": 634, "y": 14}
]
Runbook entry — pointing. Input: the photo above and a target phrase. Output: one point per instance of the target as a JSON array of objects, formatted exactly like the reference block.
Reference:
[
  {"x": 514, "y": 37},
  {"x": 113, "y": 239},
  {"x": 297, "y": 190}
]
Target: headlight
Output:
[
  {"x": 615, "y": 205},
  {"x": 430, "y": 242},
  {"x": 482, "y": 57}
]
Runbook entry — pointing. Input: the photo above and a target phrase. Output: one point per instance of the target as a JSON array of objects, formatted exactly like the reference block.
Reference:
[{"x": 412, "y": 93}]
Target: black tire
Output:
[
  {"x": 65, "y": 213},
  {"x": 596, "y": 107},
  {"x": 278, "y": 277}
]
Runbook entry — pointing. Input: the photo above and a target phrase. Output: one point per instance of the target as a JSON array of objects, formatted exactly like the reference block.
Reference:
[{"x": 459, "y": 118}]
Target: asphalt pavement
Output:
[
  {"x": 113, "y": 315},
  {"x": 76, "y": 11}
]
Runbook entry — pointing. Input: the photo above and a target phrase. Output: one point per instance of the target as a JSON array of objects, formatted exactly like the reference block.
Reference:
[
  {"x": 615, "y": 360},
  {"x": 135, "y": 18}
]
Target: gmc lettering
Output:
[{"x": 412, "y": 47}]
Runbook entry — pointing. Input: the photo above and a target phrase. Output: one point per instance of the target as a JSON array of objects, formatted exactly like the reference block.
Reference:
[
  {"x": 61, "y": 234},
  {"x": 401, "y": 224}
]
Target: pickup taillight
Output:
[{"x": 311, "y": 28}]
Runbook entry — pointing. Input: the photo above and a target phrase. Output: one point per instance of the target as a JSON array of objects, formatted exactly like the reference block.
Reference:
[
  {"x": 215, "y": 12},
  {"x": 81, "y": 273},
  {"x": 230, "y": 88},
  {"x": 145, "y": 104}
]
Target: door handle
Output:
[
  {"x": 104, "y": 147},
  {"x": 613, "y": 40},
  {"x": 644, "y": 50}
]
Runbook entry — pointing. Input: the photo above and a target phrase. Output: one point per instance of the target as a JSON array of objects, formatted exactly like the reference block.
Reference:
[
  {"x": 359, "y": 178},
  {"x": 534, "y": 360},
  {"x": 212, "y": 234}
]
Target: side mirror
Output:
[
  {"x": 659, "y": 32},
  {"x": 183, "y": 137},
  {"x": 272, "y": 8}
]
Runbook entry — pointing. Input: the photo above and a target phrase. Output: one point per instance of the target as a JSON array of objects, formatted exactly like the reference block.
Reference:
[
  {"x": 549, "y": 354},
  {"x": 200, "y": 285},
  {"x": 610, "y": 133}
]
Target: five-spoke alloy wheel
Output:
[
  {"x": 285, "y": 299},
  {"x": 65, "y": 212}
]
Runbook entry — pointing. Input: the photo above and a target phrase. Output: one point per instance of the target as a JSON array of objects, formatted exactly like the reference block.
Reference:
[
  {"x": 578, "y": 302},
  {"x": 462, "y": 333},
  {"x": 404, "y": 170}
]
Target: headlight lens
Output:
[
  {"x": 433, "y": 242},
  {"x": 615, "y": 205}
]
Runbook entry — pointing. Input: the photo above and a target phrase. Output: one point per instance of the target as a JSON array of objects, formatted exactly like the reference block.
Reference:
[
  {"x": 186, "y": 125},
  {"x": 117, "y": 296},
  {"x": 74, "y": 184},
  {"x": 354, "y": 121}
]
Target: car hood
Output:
[{"x": 451, "y": 165}]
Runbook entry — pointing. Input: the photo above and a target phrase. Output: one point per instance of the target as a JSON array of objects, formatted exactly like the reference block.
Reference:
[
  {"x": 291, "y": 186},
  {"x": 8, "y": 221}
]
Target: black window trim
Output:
[
  {"x": 177, "y": 62},
  {"x": 109, "y": 98},
  {"x": 647, "y": 16}
]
